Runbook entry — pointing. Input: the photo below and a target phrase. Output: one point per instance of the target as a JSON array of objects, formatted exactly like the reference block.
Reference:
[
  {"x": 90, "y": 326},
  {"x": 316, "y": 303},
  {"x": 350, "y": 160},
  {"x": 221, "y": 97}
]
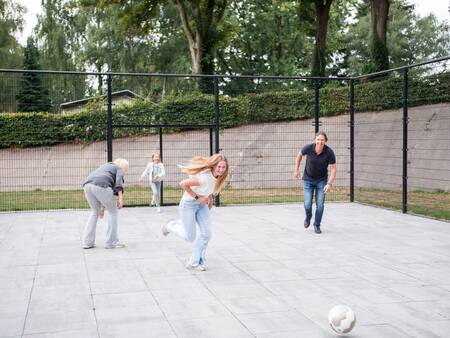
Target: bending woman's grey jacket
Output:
[{"x": 108, "y": 175}]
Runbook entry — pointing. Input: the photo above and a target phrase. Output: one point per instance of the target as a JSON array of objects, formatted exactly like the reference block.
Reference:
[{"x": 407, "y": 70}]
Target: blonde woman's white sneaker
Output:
[{"x": 116, "y": 245}]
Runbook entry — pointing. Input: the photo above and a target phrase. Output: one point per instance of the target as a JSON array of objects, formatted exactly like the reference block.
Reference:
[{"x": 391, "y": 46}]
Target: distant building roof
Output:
[{"x": 120, "y": 93}]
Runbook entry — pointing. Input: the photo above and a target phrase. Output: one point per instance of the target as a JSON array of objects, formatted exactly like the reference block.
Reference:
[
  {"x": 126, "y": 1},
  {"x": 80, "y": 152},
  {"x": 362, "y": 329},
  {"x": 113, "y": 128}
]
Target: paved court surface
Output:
[{"x": 267, "y": 277}]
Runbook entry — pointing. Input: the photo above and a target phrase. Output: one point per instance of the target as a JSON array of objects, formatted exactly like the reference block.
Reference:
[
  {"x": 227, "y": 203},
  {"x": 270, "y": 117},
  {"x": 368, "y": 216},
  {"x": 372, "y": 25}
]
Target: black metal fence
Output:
[{"x": 390, "y": 132}]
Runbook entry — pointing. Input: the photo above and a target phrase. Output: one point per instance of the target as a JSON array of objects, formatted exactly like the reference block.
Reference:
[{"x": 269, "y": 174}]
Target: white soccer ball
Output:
[{"x": 342, "y": 319}]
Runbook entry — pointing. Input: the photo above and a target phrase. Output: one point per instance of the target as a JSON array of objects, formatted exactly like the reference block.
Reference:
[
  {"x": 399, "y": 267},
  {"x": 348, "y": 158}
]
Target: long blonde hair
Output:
[{"x": 199, "y": 163}]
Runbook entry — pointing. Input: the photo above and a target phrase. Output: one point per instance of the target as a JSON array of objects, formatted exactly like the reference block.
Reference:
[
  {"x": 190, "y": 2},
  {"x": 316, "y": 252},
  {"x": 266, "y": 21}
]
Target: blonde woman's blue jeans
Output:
[{"x": 192, "y": 213}]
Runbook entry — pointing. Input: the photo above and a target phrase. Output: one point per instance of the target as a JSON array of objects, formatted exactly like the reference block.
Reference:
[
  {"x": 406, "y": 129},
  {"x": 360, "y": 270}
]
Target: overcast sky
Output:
[{"x": 440, "y": 8}]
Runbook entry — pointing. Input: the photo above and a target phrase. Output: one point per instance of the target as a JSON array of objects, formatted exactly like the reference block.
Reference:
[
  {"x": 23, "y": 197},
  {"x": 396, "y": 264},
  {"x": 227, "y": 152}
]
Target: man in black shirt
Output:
[{"x": 315, "y": 176}]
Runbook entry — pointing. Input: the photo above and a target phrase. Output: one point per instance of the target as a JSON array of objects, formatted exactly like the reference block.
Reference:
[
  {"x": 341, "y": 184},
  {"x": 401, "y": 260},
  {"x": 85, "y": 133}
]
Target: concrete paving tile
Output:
[
  {"x": 256, "y": 305},
  {"x": 261, "y": 264},
  {"x": 59, "y": 301},
  {"x": 20, "y": 277},
  {"x": 171, "y": 266},
  {"x": 14, "y": 302},
  {"x": 422, "y": 293},
  {"x": 105, "y": 270},
  {"x": 162, "y": 282},
  {"x": 270, "y": 275},
  {"x": 376, "y": 331},
  {"x": 272, "y": 322},
  {"x": 142, "y": 329},
  {"x": 11, "y": 326},
  {"x": 220, "y": 276},
  {"x": 218, "y": 327},
  {"x": 63, "y": 274},
  {"x": 90, "y": 332},
  {"x": 59, "y": 321},
  {"x": 225, "y": 290},
  {"x": 372, "y": 295},
  {"x": 118, "y": 286},
  {"x": 17, "y": 258},
  {"x": 181, "y": 294},
  {"x": 124, "y": 300},
  {"x": 194, "y": 309}
]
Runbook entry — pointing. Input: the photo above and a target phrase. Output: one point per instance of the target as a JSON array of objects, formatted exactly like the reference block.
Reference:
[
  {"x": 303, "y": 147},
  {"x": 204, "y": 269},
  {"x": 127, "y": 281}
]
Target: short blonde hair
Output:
[{"x": 122, "y": 163}]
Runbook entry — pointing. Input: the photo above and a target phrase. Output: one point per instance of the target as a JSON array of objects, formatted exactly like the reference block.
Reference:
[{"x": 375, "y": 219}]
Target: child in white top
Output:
[
  {"x": 155, "y": 172},
  {"x": 207, "y": 177}
]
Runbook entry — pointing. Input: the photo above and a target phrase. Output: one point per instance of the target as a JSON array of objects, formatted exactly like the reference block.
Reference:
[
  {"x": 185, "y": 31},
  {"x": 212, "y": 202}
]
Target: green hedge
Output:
[{"x": 37, "y": 129}]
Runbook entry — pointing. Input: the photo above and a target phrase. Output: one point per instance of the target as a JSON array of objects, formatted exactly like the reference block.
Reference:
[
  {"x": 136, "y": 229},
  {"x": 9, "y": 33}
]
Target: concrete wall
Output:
[{"x": 260, "y": 155}]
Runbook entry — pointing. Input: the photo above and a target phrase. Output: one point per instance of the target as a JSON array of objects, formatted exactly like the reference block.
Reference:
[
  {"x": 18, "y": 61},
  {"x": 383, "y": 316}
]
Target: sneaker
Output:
[
  {"x": 88, "y": 246},
  {"x": 158, "y": 209},
  {"x": 196, "y": 268},
  {"x": 306, "y": 223},
  {"x": 317, "y": 229},
  {"x": 165, "y": 228},
  {"x": 116, "y": 245}
]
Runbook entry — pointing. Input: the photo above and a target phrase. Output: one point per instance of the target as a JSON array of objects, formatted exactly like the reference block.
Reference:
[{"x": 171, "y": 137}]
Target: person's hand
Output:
[
  {"x": 210, "y": 203},
  {"x": 327, "y": 188},
  {"x": 297, "y": 174},
  {"x": 202, "y": 199},
  {"x": 119, "y": 203}
]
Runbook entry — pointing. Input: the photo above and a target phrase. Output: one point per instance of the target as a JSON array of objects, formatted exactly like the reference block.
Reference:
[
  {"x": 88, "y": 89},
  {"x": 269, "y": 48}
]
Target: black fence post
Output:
[
  {"x": 161, "y": 198},
  {"x": 211, "y": 146},
  {"x": 317, "y": 105},
  {"x": 405, "y": 142},
  {"x": 109, "y": 117},
  {"x": 216, "y": 124},
  {"x": 352, "y": 140}
]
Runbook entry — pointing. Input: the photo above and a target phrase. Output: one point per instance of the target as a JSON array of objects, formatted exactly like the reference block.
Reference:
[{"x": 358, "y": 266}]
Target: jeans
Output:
[
  {"x": 193, "y": 212},
  {"x": 96, "y": 197},
  {"x": 156, "y": 195},
  {"x": 309, "y": 187}
]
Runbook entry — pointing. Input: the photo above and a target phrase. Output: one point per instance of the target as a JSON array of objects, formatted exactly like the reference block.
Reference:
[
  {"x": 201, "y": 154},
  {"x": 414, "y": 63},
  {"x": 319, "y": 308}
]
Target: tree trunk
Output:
[
  {"x": 379, "y": 51},
  {"x": 200, "y": 31},
  {"x": 319, "y": 53}
]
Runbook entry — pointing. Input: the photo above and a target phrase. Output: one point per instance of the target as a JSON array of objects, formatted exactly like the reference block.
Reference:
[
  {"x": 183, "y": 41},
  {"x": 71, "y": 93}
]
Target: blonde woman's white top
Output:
[{"x": 205, "y": 188}]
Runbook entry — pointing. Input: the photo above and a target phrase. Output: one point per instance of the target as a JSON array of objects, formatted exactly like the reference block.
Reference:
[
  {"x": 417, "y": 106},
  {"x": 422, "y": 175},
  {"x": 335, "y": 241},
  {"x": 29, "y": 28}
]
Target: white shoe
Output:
[
  {"x": 165, "y": 228},
  {"x": 116, "y": 245},
  {"x": 196, "y": 268},
  {"x": 88, "y": 246},
  {"x": 158, "y": 209}
]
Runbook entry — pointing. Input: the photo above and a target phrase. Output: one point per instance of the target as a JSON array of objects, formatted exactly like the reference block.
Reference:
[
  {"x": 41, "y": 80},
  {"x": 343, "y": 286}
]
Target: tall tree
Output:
[
  {"x": 201, "y": 21},
  {"x": 10, "y": 51},
  {"x": 59, "y": 35},
  {"x": 379, "y": 10},
  {"x": 11, "y": 22},
  {"x": 33, "y": 96},
  {"x": 319, "y": 11},
  {"x": 411, "y": 38}
]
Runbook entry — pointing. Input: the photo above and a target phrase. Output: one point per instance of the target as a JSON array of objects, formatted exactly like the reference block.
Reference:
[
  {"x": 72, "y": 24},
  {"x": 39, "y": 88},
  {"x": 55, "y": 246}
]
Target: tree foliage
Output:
[
  {"x": 33, "y": 94},
  {"x": 410, "y": 38},
  {"x": 11, "y": 22}
]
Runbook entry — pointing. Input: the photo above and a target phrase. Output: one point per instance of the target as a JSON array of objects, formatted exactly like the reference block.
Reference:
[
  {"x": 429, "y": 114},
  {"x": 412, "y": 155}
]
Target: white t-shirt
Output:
[{"x": 207, "y": 183}]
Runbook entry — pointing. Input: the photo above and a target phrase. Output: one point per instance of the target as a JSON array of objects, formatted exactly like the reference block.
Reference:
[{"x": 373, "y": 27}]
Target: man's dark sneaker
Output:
[
  {"x": 306, "y": 224},
  {"x": 317, "y": 229}
]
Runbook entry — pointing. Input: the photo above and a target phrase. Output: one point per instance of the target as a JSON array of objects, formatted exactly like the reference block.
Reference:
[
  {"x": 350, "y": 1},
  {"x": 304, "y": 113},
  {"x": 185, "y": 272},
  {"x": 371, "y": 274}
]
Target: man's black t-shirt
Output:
[{"x": 316, "y": 167}]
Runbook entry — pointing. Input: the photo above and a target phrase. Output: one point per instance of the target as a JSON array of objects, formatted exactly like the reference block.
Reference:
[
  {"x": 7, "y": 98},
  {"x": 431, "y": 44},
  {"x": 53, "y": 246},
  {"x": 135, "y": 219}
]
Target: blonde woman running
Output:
[{"x": 207, "y": 176}]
